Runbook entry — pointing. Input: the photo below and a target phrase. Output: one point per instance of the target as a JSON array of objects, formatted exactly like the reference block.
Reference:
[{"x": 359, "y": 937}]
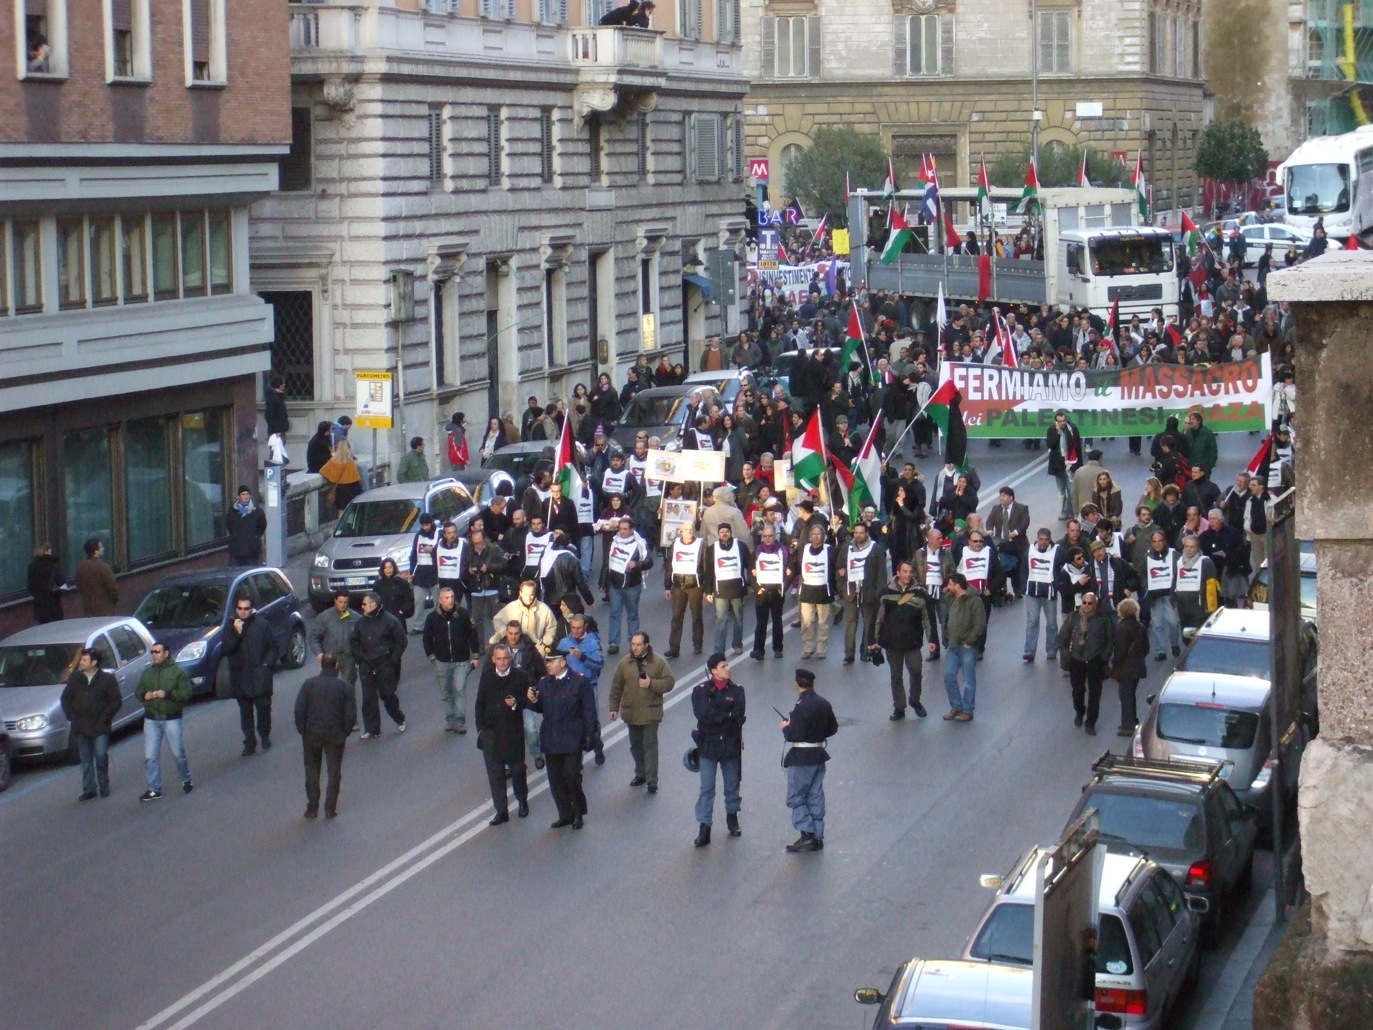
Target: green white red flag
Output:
[
  {"x": 898, "y": 238},
  {"x": 809, "y": 457},
  {"x": 1141, "y": 197},
  {"x": 565, "y": 464},
  {"x": 1030, "y": 194}
]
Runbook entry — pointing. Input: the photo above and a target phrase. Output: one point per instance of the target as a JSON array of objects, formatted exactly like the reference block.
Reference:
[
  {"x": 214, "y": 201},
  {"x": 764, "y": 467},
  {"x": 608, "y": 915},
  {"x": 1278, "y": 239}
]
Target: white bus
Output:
[{"x": 1331, "y": 177}]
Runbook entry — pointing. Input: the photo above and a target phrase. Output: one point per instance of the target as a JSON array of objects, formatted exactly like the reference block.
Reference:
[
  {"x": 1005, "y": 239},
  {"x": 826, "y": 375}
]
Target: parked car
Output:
[
  {"x": 35, "y": 664},
  {"x": 1258, "y": 590},
  {"x": 1256, "y": 237},
  {"x": 190, "y": 611},
  {"x": 941, "y": 994},
  {"x": 1148, "y": 952},
  {"x": 379, "y": 524},
  {"x": 1184, "y": 817},
  {"x": 729, "y": 384},
  {"x": 1212, "y": 717},
  {"x": 517, "y": 460},
  {"x": 661, "y": 412}
]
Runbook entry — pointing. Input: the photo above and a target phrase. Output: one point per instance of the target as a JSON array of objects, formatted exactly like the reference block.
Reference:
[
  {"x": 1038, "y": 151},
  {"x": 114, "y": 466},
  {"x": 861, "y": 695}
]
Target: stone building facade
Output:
[
  {"x": 134, "y": 135},
  {"x": 953, "y": 78},
  {"x": 499, "y": 200}
]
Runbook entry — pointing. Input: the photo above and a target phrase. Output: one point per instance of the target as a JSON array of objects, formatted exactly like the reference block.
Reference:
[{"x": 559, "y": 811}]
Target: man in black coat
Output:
[
  {"x": 719, "y": 707},
  {"x": 246, "y": 526},
  {"x": 807, "y": 729},
  {"x": 1064, "y": 444},
  {"x": 325, "y": 714},
  {"x": 253, "y": 655},
  {"x": 90, "y": 701},
  {"x": 567, "y": 703},
  {"x": 378, "y": 642},
  {"x": 1085, "y": 642},
  {"x": 501, "y": 699}
]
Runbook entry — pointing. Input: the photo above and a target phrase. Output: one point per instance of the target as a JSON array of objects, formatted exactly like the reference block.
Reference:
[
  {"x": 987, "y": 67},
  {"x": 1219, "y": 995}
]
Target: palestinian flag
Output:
[
  {"x": 782, "y": 256},
  {"x": 945, "y": 410},
  {"x": 889, "y": 187},
  {"x": 1191, "y": 235},
  {"x": 1173, "y": 336},
  {"x": 852, "y": 342},
  {"x": 984, "y": 192},
  {"x": 1001, "y": 333},
  {"x": 1141, "y": 198},
  {"x": 866, "y": 475},
  {"x": 900, "y": 236},
  {"x": 1112, "y": 323},
  {"x": 1082, "y": 179},
  {"x": 1258, "y": 464},
  {"x": 565, "y": 464},
  {"x": 809, "y": 456},
  {"x": 1030, "y": 194}
]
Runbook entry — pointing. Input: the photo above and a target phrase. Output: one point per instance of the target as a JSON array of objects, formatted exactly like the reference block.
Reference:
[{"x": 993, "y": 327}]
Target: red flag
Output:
[
  {"x": 1002, "y": 334},
  {"x": 1174, "y": 337},
  {"x": 984, "y": 277},
  {"x": 782, "y": 254},
  {"x": 1352, "y": 243},
  {"x": 1258, "y": 464},
  {"x": 951, "y": 239}
]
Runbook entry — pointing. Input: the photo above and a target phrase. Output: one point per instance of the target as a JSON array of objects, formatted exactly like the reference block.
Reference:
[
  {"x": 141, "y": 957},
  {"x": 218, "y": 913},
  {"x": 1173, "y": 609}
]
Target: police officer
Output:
[{"x": 807, "y": 730}]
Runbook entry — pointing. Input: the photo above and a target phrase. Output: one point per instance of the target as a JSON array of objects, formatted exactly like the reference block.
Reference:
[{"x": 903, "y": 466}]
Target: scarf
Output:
[{"x": 243, "y": 507}]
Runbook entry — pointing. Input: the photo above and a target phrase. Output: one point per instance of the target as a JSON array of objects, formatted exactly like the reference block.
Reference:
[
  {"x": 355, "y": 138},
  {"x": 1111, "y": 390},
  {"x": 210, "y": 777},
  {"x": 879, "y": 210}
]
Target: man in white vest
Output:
[
  {"x": 724, "y": 573},
  {"x": 1160, "y": 585},
  {"x": 627, "y": 557},
  {"x": 862, "y": 573},
  {"x": 816, "y": 571},
  {"x": 933, "y": 564},
  {"x": 1041, "y": 597},
  {"x": 452, "y": 559},
  {"x": 536, "y": 542},
  {"x": 682, "y": 583}
]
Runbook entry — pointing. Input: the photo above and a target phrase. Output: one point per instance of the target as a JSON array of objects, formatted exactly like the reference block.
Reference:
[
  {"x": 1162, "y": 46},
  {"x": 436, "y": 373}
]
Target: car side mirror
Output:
[
  {"x": 868, "y": 996},
  {"x": 1150, "y": 698}
]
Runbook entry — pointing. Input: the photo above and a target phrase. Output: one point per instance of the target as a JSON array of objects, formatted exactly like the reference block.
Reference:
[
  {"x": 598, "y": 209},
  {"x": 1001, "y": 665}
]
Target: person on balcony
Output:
[{"x": 633, "y": 15}]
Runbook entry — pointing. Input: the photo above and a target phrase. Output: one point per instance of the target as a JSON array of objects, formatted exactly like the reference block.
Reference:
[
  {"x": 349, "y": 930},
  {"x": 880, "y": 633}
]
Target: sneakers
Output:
[
  {"x": 400, "y": 728},
  {"x": 964, "y": 717},
  {"x": 187, "y": 787},
  {"x": 951, "y": 715},
  {"x": 368, "y": 736},
  {"x": 150, "y": 795}
]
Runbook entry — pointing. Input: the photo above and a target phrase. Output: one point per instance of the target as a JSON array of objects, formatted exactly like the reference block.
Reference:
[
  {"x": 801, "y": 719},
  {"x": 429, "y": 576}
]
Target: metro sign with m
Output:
[{"x": 758, "y": 168}]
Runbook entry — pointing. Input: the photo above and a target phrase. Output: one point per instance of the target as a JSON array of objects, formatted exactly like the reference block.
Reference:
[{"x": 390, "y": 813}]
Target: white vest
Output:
[
  {"x": 639, "y": 466},
  {"x": 934, "y": 572},
  {"x": 547, "y": 557},
  {"x": 1189, "y": 579},
  {"x": 1041, "y": 567},
  {"x": 976, "y": 566},
  {"x": 1114, "y": 546},
  {"x": 704, "y": 441},
  {"x": 815, "y": 568},
  {"x": 857, "y": 566},
  {"x": 449, "y": 559},
  {"x": 768, "y": 569},
  {"x": 686, "y": 558},
  {"x": 534, "y": 548},
  {"x": 586, "y": 507},
  {"x": 614, "y": 482},
  {"x": 729, "y": 564},
  {"x": 424, "y": 552},
  {"x": 622, "y": 552},
  {"x": 1160, "y": 572}
]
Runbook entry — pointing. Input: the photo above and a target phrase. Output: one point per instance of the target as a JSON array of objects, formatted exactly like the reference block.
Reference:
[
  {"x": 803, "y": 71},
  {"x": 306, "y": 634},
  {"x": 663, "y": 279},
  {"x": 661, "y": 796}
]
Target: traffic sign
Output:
[
  {"x": 375, "y": 398},
  {"x": 758, "y": 168}
]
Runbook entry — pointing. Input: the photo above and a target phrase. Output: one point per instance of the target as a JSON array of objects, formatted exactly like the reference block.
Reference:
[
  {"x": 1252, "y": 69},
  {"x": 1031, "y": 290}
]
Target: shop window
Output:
[
  {"x": 147, "y": 478},
  {"x": 202, "y": 444},
  {"x": 17, "y": 522},
  {"x": 89, "y": 493}
]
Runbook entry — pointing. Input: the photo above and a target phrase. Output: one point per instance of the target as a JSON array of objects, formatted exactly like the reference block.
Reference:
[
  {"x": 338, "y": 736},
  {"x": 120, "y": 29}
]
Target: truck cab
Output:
[{"x": 1093, "y": 268}]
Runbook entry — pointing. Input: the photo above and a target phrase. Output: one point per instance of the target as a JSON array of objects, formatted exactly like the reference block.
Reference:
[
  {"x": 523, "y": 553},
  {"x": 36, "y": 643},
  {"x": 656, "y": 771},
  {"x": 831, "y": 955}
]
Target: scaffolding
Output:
[{"x": 1339, "y": 49}]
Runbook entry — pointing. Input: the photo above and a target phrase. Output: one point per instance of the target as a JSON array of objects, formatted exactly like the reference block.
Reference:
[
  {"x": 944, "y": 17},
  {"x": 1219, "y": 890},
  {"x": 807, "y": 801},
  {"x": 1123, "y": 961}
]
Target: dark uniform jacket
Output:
[
  {"x": 500, "y": 729},
  {"x": 325, "y": 707},
  {"x": 720, "y": 717},
  {"x": 253, "y": 656},
  {"x": 811, "y": 721},
  {"x": 91, "y": 705},
  {"x": 568, "y": 706}
]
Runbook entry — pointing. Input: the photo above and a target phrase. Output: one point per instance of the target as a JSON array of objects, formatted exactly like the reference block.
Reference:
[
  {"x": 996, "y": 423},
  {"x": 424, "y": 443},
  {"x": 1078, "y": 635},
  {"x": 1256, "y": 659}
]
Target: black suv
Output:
[{"x": 1183, "y": 816}]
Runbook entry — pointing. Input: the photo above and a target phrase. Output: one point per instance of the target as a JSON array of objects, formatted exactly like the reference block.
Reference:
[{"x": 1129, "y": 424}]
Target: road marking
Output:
[{"x": 257, "y": 964}]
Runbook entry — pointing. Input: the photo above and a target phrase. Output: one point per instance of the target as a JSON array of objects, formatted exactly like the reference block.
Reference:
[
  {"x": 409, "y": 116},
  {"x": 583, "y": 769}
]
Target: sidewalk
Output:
[{"x": 1230, "y": 1005}]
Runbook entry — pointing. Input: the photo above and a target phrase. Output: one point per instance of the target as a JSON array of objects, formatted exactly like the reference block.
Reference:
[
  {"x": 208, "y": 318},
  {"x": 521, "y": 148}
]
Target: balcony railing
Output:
[{"x": 611, "y": 46}]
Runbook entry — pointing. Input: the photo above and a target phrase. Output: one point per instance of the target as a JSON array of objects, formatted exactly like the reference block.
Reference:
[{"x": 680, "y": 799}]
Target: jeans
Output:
[
  {"x": 95, "y": 762},
  {"x": 1047, "y": 608},
  {"x": 261, "y": 707},
  {"x": 586, "y": 551},
  {"x": 1065, "y": 494},
  {"x": 643, "y": 747},
  {"x": 424, "y": 598},
  {"x": 853, "y": 609},
  {"x": 1164, "y": 625},
  {"x": 498, "y": 772},
  {"x": 320, "y": 750},
  {"x": 965, "y": 659},
  {"x": 624, "y": 602},
  {"x": 153, "y": 732},
  {"x": 728, "y": 610},
  {"x": 681, "y": 600},
  {"x": 379, "y": 682},
  {"x": 732, "y": 768},
  {"x": 815, "y": 629},
  {"x": 483, "y": 612},
  {"x": 533, "y": 721},
  {"x": 452, "y": 681},
  {"x": 905, "y": 664},
  {"x": 769, "y": 609},
  {"x": 806, "y": 798}
]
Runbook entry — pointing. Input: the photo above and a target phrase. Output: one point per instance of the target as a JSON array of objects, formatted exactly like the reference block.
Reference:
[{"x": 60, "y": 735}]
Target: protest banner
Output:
[
  {"x": 687, "y": 466},
  {"x": 1000, "y": 403},
  {"x": 793, "y": 281}
]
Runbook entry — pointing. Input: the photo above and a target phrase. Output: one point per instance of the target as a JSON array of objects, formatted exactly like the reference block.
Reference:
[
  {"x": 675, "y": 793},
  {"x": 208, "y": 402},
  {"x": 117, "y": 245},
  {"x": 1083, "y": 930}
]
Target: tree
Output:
[
  {"x": 1059, "y": 165},
  {"x": 816, "y": 178},
  {"x": 1231, "y": 151}
]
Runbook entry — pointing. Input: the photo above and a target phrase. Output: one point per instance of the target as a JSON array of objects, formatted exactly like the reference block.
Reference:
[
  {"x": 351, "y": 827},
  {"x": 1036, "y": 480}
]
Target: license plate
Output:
[{"x": 355, "y": 581}]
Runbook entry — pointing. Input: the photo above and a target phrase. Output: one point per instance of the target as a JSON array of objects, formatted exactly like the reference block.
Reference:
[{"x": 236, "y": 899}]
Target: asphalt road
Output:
[{"x": 226, "y": 909}]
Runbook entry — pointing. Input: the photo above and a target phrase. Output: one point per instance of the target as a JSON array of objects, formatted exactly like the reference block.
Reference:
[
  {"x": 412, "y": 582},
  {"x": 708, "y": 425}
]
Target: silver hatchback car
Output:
[
  {"x": 946, "y": 993},
  {"x": 1147, "y": 938},
  {"x": 35, "y": 664}
]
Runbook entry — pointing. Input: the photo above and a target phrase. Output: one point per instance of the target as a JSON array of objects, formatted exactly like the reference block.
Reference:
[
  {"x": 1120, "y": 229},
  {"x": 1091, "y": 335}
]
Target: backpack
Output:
[{"x": 458, "y": 454}]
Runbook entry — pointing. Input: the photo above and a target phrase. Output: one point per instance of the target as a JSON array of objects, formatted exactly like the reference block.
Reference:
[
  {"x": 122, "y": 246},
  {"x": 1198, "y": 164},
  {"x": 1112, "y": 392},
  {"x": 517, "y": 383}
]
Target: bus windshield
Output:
[
  {"x": 1317, "y": 189},
  {"x": 1131, "y": 255}
]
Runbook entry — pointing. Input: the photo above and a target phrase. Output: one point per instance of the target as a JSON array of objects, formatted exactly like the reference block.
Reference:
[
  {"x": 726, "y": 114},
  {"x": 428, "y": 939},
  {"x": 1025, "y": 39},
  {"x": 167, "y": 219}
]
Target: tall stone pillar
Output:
[{"x": 1322, "y": 975}]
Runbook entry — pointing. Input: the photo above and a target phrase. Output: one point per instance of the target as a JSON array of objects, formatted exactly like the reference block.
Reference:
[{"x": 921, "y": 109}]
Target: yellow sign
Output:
[
  {"x": 375, "y": 393},
  {"x": 648, "y": 330},
  {"x": 839, "y": 240}
]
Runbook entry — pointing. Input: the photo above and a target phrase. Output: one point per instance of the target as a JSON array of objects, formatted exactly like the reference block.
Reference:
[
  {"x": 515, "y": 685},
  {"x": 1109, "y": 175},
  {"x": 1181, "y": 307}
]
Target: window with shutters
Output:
[
  {"x": 204, "y": 31},
  {"x": 546, "y": 146},
  {"x": 495, "y": 137},
  {"x": 924, "y": 44},
  {"x": 705, "y": 157},
  {"x": 595, "y": 10},
  {"x": 727, "y": 18},
  {"x": 1196, "y": 49},
  {"x": 553, "y": 12},
  {"x": 641, "y": 146},
  {"x": 45, "y": 37},
  {"x": 737, "y": 148},
  {"x": 791, "y": 47},
  {"x": 297, "y": 167},
  {"x": 1157, "y": 43},
  {"x": 498, "y": 10},
  {"x": 128, "y": 48},
  {"x": 436, "y": 145},
  {"x": 689, "y": 19},
  {"x": 1055, "y": 42}
]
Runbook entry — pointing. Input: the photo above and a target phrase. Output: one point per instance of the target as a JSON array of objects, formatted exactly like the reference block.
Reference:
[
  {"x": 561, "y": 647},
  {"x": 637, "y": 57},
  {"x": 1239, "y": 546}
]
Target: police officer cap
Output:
[
  {"x": 805, "y": 677},
  {"x": 556, "y": 652}
]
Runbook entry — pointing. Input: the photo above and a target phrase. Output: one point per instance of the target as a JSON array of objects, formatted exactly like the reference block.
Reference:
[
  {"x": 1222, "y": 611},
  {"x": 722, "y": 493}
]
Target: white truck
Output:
[{"x": 1094, "y": 253}]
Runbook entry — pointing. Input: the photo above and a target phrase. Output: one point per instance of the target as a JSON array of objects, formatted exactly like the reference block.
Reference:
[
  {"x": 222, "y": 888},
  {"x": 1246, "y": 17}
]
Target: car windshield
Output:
[
  {"x": 1131, "y": 255},
  {"x": 191, "y": 605},
  {"x": 1149, "y": 822},
  {"x": 517, "y": 463},
  {"x": 1227, "y": 656},
  {"x": 1207, "y": 725},
  {"x": 653, "y": 411},
  {"x": 1008, "y": 936},
  {"x": 38, "y": 665},
  {"x": 378, "y": 518},
  {"x": 1318, "y": 189}
]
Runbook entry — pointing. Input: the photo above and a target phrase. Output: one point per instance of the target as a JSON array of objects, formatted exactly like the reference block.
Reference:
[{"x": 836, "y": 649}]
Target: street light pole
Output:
[{"x": 1034, "y": 83}]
